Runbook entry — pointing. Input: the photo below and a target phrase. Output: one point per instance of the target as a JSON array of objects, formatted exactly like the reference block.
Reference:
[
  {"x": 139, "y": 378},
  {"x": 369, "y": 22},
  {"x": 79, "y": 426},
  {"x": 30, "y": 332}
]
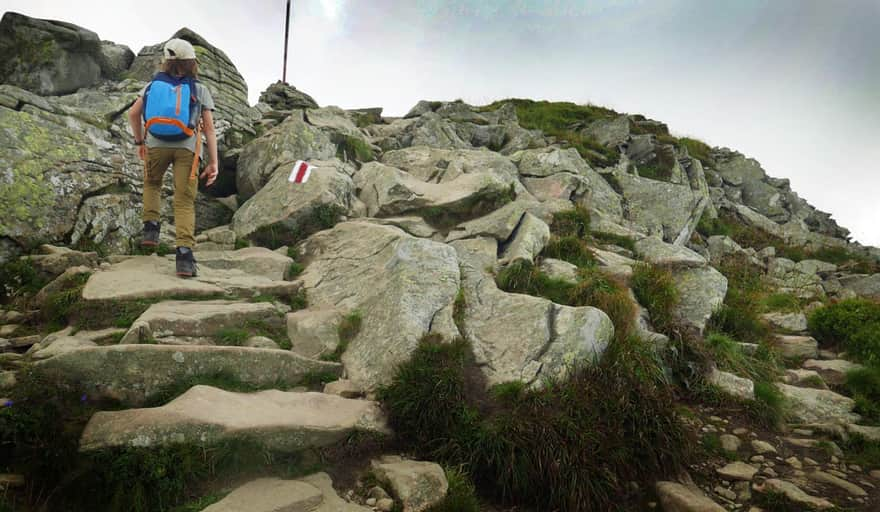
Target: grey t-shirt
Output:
[{"x": 206, "y": 102}]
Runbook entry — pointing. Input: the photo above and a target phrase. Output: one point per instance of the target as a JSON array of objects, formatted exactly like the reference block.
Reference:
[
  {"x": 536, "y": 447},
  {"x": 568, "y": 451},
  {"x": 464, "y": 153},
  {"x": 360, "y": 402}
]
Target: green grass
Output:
[
  {"x": 740, "y": 314},
  {"x": 781, "y": 302},
  {"x": 655, "y": 290},
  {"x": 571, "y": 223},
  {"x": 611, "y": 238},
  {"x": 232, "y": 336},
  {"x": 592, "y": 289},
  {"x": 864, "y": 386},
  {"x": 241, "y": 243},
  {"x": 763, "y": 366},
  {"x": 462, "y": 495},
  {"x": 162, "y": 249},
  {"x": 560, "y": 119},
  {"x": 354, "y": 148},
  {"x": 346, "y": 331},
  {"x": 697, "y": 149},
  {"x": 299, "y": 300},
  {"x": 769, "y": 406},
  {"x": 571, "y": 249},
  {"x": 19, "y": 277},
  {"x": 865, "y": 453},
  {"x": 533, "y": 450},
  {"x": 711, "y": 444},
  {"x": 853, "y": 325}
]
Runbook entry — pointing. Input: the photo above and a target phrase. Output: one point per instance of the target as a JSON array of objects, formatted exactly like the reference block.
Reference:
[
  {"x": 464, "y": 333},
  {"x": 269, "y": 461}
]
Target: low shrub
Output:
[
  {"x": 19, "y": 277},
  {"x": 853, "y": 325},
  {"x": 654, "y": 287},
  {"x": 864, "y": 386},
  {"x": 530, "y": 445},
  {"x": 461, "y": 496}
]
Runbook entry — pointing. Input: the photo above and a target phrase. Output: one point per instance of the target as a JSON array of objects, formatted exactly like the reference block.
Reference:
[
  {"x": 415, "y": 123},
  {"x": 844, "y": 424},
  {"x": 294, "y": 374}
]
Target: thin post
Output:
[{"x": 286, "y": 37}]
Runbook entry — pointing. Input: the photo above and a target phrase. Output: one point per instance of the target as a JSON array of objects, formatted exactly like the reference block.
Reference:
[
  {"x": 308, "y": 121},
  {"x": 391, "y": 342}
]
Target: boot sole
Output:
[
  {"x": 146, "y": 243},
  {"x": 184, "y": 274}
]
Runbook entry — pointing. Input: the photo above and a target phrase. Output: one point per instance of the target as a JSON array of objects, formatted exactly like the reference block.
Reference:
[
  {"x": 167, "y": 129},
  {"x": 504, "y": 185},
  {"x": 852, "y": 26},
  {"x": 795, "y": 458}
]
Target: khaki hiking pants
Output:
[{"x": 185, "y": 186}]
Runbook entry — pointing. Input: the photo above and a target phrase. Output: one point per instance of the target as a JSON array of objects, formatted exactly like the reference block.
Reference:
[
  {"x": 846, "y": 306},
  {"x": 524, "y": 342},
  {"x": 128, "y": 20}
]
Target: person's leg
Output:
[
  {"x": 185, "y": 188},
  {"x": 154, "y": 170}
]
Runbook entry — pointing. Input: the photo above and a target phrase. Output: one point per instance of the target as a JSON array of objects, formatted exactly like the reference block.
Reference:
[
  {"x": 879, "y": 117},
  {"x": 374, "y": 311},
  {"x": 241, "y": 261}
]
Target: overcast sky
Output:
[{"x": 792, "y": 83}]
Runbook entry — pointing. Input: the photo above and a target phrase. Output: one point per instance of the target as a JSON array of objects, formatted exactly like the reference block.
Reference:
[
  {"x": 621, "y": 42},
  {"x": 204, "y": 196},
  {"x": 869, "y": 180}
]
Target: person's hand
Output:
[
  {"x": 210, "y": 173},
  {"x": 142, "y": 151}
]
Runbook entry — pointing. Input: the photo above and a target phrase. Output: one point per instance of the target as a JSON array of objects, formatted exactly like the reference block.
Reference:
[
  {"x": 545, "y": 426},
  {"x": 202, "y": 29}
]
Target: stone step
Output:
[
  {"x": 133, "y": 374},
  {"x": 833, "y": 371},
  {"x": 808, "y": 405},
  {"x": 314, "y": 493},
  {"x": 199, "y": 319},
  {"x": 278, "y": 420},
  {"x": 795, "y": 347},
  {"x": 149, "y": 277},
  {"x": 257, "y": 261}
]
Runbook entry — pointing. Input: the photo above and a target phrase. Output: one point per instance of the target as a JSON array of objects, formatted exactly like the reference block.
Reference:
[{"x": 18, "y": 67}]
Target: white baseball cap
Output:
[{"x": 179, "y": 49}]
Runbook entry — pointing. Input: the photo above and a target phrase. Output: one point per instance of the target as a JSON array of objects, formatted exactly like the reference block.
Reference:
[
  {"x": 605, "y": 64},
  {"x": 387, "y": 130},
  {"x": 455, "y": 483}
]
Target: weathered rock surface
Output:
[
  {"x": 280, "y": 212},
  {"x": 519, "y": 337},
  {"x": 840, "y": 483},
  {"x": 282, "y": 96},
  {"x": 797, "y": 346},
  {"x": 658, "y": 252},
  {"x": 252, "y": 260},
  {"x": 863, "y": 286},
  {"x": 675, "y": 497},
  {"x": 791, "y": 322},
  {"x": 133, "y": 374},
  {"x": 702, "y": 291},
  {"x": 418, "y": 485},
  {"x": 436, "y": 165},
  {"x": 793, "y": 493},
  {"x": 818, "y": 405},
  {"x": 402, "y": 286},
  {"x": 833, "y": 371},
  {"x": 278, "y": 420},
  {"x": 736, "y": 386},
  {"x": 528, "y": 241},
  {"x": 313, "y": 331},
  {"x": 144, "y": 277},
  {"x": 314, "y": 493},
  {"x": 737, "y": 471}
]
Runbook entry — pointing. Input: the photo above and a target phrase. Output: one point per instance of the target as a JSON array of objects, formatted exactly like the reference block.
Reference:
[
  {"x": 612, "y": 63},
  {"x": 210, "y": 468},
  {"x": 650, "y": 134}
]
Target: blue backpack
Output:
[{"x": 171, "y": 107}]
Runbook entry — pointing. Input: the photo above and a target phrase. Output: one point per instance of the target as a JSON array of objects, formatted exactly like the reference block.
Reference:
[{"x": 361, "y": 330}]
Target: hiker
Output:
[{"x": 175, "y": 109}]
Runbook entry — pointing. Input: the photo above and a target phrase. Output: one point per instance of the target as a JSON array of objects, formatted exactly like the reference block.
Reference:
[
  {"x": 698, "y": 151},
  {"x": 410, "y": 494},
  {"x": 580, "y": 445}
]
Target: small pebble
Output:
[{"x": 371, "y": 502}]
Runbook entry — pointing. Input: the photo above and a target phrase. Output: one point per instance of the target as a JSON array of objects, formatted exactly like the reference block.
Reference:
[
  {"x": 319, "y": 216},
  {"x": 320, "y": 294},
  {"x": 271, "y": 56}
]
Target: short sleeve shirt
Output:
[{"x": 206, "y": 102}]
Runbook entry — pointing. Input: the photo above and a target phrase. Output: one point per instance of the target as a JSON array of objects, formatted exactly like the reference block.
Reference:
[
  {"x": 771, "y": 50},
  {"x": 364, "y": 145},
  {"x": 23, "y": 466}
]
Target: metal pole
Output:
[{"x": 286, "y": 36}]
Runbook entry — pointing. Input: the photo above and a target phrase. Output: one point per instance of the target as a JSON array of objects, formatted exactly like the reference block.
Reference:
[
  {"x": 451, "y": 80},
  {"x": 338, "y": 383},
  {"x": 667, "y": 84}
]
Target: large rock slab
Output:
[
  {"x": 280, "y": 147},
  {"x": 808, "y": 405},
  {"x": 500, "y": 223},
  {"x": 388, "y": 191},
  {"x": 790, "y": 322},
  {"x": 658, "y": 252},
  {"x": 133, "y": 374},
  {"x": 519, "y": 337},
  {"x": 147, "y": 277},
  {"x": 282, "y": 96},
  {"x": 675, "y": 497},
  {"x": 529, "y": 240},
  {"x": 659, "y": 208},
  {"x": 833, "y": 371},
  {"x": 793, "y": 493},
  {"x": 701, "y": 292},
  {"x": 863, "y": 286},
  {"x": 402, "y": 286},
  {"x": 734, "y": 385},
  {"x": 797, "y": 347},
  {"x": 313, "y": 332},
  {"x": 197, "y": 318},
  {"x": 313, "y": 493},
  {"x": 279, "y": 212},
  {"x": 253, "y": 260},
  {"x": 553, "y": 172},
  {"x": 277, "y": 420},
  {"x": 418, "y": 485}
]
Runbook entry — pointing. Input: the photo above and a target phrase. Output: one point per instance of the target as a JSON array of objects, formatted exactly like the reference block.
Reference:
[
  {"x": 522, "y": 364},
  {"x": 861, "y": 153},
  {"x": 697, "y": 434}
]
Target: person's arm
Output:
[
  {"x": 135, "y": 115},
  {"x": 210, "y": 171}
]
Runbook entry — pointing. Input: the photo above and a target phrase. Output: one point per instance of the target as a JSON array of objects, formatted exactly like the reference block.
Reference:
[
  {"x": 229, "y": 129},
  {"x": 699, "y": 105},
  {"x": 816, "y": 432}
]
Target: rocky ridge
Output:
[{"x": 404, "y": 225}]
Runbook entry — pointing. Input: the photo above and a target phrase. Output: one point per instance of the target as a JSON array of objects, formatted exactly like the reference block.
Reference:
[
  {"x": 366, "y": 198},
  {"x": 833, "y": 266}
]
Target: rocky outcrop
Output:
[
  {"x": 282, "y": 96},
  {"x": 50, "y": 57}
]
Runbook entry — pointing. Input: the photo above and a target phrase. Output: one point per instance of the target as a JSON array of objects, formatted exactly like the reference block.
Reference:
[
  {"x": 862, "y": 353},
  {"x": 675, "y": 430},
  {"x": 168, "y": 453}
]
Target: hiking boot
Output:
[
  {"x": 186, "y": 262},
  {"x": 151, "y": 234}
]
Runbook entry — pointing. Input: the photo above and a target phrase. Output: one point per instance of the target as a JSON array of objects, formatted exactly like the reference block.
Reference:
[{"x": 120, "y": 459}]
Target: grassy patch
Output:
[
  {"x": 571, "y": 223},
  {"x": 232, "y": 336},
  {"x": 241, "y": 243},
  {"x": 861, "y": 451},
  {"x": 852, "y": 324},
  {"x": 571, "y": 249},
  {"x": 739, "y": 315},
  {"x": 697, "y": 149},
  {"x": 297, "y": 267},
  {"x": 769, "y": 406},
  {"x": 711, "y": 444},
  {"x": 592, "y": 289},
  {"x": 531, "y": 450},
  {"x": 781, "y": 302},
  {"x": 563, "y": 120},
  {"x": 611, "y": 238},
  {"x": 762, "y": 366},
  {"x": 323, "y": 216},
  {"x": 354, "y": 148},
  {"x": 299, "y": 300},
  {"x": 348, "y": 329},
  {"x": 864, "y": 386},
  {"x": 462, "y": 495},
  {"x": 655, "y": 290}
]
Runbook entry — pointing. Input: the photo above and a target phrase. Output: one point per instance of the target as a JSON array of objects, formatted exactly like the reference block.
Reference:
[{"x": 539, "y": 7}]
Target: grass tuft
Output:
[
  {"x": 321, "y": 217},
  {"x": 571, "y": 249},
  {"x": 571, "y": 223},
  {"x": 739, "y": 315},
  {"x": 853, "y": 325},
  {"x": 462, "y": 495},
  {"x": 655, "y": 289}
]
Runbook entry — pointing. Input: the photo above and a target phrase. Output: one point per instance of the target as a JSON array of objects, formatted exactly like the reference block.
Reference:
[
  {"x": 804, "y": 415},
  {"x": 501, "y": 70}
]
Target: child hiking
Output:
[{"x": 168, "y": 120}]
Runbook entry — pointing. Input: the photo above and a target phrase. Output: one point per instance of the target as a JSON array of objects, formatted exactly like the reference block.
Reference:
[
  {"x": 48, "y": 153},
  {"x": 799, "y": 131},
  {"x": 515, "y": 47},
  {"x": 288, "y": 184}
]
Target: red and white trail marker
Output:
[{"x": 301, "y": 172}]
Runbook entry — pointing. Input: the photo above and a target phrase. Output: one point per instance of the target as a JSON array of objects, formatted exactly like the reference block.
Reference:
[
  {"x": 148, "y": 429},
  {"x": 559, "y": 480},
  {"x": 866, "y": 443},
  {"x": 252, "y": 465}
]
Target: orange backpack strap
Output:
[{"x": 197, "y": 152}]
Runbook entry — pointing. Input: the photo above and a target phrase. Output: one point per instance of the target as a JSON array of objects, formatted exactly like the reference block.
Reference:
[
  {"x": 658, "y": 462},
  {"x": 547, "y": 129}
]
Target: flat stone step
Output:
[
  {"x": 314, "y": 493},
  {"x": 198, "y": 319},
  {"x": 257, "y": 261},
  {"x": 808, "y": 405},
  {"x": 132, "y": 374},
  {"x": 149, "y": 277},
  {"x": 795, "y": 347},
  {"x": 278, "y": 420},
  {"x": 834, "y": 370}
]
